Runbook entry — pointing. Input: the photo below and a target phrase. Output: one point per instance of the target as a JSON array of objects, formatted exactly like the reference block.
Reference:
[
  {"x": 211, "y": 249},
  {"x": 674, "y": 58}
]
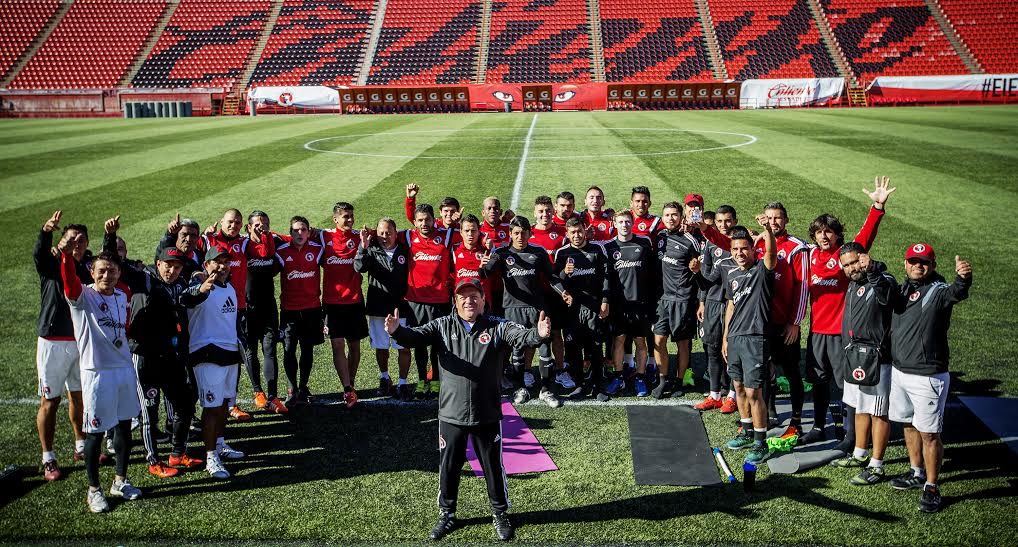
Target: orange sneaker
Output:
[
  {"x": 351, "y": 398},
  {"x": 793, "y": 430},
  {"x": 238, "y": 414},
  {"x": 708, "y": 403},
  {"x": 277, "y": 406},
  {"x": 162, "y": 471},
  {"x": 261, "y": 401},
  {"x": 185, "y": 461},
  {"x": 728, "y": 405}
]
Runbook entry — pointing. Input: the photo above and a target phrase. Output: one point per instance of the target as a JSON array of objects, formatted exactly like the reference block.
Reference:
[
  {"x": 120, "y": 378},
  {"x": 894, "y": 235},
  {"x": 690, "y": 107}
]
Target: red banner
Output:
[{"x": 968, "y": 88}]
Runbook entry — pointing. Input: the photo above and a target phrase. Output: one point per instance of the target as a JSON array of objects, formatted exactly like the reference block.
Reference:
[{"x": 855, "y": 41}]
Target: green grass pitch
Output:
[{"x": 370, "y": 475}]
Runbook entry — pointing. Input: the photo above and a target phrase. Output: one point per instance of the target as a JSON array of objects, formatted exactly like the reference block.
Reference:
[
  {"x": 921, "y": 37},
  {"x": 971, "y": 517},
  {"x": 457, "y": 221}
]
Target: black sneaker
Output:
[
  {"x": 815, "y": 435},
  {"x": 405, "y": 392},
  {"x": 659, "y": 391},
  {"x": 930, "y": 501},
  {"x": 292, "y": 400},
  {"x": 162, "y": 437},
  {"x": 603, "y": 397},
  {"x": 908, "y": 481},
  {"x": 503, "y": 528},
  {"x": 384, "y": 387},
  {"x": 847, "y": 445},
  {"x": 305, "y": 396},
  {"x": 446, "y": 523}
]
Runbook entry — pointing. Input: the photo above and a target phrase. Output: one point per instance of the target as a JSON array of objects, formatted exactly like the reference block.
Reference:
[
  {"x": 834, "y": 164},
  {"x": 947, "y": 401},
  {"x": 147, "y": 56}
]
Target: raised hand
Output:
[
  {"x": 567, "y": 298},
  {"x": 865, "y": 263},
  {"x": 174, "y": 225},
  {"x": 54, "y": 222},
  {"x": 962, "y": 267},
  {"x": 412, "y": 189},
  {"x": 543, "y": 326},
  {"x": 880, "y": 191},
  {"x": 365, "y": 237},
  {"x": 570, "y": 267},
  {"x": 694, "y": 265},
  {"x": 112, "y": 225},
  {"x": 456, "y": 216},
  {"x": 392, "y": 321},
  {"x": 213, "y": 228},
  {"x": 761, "y": 219}
]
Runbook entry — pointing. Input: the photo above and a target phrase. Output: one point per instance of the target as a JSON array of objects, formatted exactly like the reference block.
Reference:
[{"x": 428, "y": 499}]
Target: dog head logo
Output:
[
  {"x": 236, "y": 247},
  {"x": 859, "y": 374},
  {"x": 437, "y": 240},
  {"x": 861, "y": 291},
  {"x": 782, "y": 254},
  {"x": 617, "y": 255},
  {"x": 350, "y": 244},
  {"x": 441, "y": 442},
  {"x": 401, "y": 259},
  {"x": 484, "y": 338},
  {"x": 510, "y": 260},
  {"x": 913, "y": 297},
  {"x": 831, "y": 264},
  {"x": 718, "y": 252},
  {"x": 96, "y": 422},
  {"x": 309, "y": 257},
  {"x": 209, "y": 396},
  {"x": 286, "y": 99},
  {"x": 735, "y": 285}
]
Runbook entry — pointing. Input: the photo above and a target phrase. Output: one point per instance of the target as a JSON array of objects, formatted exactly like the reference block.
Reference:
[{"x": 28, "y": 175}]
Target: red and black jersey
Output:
[
  {"x": 497, "y": 236},
  {"x": 300, "y": 285},
  {"x": 467, "y": 265},
  {"x": 550, "y": 239},
  {"x": 600, "y": 224},
  {"x": 559, "y": 221},
  {"x": 241, "y": 249},
  {"x": 342, "y": 283},
  {"x": 646, "y": 226},
  {"x": 430, "y": 274}
]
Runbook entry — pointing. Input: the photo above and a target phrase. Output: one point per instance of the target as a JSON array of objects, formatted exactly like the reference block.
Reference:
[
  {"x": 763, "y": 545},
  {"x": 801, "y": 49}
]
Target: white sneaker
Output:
[
  {"x": 565, "y": 380},
  {"x": 125, "y": 489},
  {"x": 521, "y": 396},
  {"x": 549, "y": 398},
  {"x": 215, "y": 468},
  {"x": 97, "y": 501},
  {"x": 528, "y": 379},
  {"x": 226, "y": 451}
]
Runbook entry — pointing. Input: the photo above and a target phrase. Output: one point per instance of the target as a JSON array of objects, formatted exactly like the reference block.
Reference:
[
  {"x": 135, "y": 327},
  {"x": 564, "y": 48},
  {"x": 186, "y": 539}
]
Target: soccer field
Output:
[{"x": 331, "y": 475}]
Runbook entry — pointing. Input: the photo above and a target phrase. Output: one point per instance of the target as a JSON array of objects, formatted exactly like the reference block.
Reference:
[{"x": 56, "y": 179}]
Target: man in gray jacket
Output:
[{"x": 471, "y": 347}]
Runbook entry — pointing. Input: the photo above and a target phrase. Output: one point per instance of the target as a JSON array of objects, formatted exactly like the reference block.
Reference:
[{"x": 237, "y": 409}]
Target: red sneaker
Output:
[
  {"x": 708, "y": 403},
  {"x": 51, "y": 470},
  {"x": 277, "y": 406},
  {"x": 728, "y": 405},
  {"x": 793, "y": 430},
  {"x": 162, "y": 471},
  {"x": 261, "y": 401},
  {"x": 185, "y": 461},
  {"x": 238, "y": 414},
  {"x": 351, "y": 398}
]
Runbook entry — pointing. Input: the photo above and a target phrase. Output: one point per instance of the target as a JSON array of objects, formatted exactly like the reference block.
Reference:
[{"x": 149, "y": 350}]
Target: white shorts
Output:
[
  {"x": 380, "y": 339},
  {"x": 217, "y": 384},
  {"x": 872, "y": 400},
  {"x": 919, "y": 400},
  {"x": 56, "y": 362},
  {"x": 110, "y": 396}
]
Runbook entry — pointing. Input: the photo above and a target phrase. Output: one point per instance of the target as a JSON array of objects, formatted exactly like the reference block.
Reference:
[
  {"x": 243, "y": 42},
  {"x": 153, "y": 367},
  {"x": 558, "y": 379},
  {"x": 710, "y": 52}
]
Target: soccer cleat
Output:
[
  {"x": 237, "y": 413},
  {"x": 185, "y": 461},
  {"x": 659, "y": 391},
  {"x": 261, "y": 401},
  {"x": 291, "y": 399},
  {"x": 350, "y": 398},
  {"x": 565, "y": 380},
  {"x": 305, "y": 396},
  {"x": 446, "y": 523},
  {"x": 869, "y": 475},
  {"x": 162, "y": 471},
  {"x": 908, "y": 481},
  {"x": 758, "y": 454},
  {"x": 79, "y": 456},
  {"x": 503, "y": 528},
  {"x": 277, "y": 406},
  {"x": 124, "y": 489},
  {"x": 51, "y": 470},
  {"x": 793, "y": 430},
  {"x": 162, "y": 437},
  {"x": 97, "y": 501},
  {"x": 405, "y": 392},
  {"x": 728, "y": 405},
  {"x": 521, "y": 396},
  {"x": 740, "y": 442},
  {"x": 422, "y": 389},
  {"x": 708, "y": 403},
  {"x": 640, "y": 387},
  {"x": 384, "y": 387},
  {"x": 549, "y": 398},
  {"x": 216, "y": 470},
  {"x": 615, "y": 386},
  {"x": 226, "y": 451},
  {"x": 930, "y": 501},
  {"x": 815, "y": 435},
  {"x": 850, "y": 461},
  {"x": 528, "y": 379}
]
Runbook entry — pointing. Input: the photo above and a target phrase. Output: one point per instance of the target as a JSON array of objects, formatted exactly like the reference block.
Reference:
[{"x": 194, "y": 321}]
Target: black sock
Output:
[
  {"x": 759, "y": 436},
  {"x": 122, "y": 445},
  {"x": 821, "y": 400},
  {"x": 93, "y": 446}
]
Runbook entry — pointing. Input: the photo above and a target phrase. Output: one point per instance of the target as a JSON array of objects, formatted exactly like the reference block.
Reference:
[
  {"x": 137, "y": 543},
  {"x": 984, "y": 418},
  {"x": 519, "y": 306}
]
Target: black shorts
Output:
[
  {"x": 825, "y": 359},
  {"x": 347, "y": 321},
  {"x": 302, "y": 326},
  {"x": 584, "y": 324},
  {"x": 422, "y": 313},
  {"x": 524, "y": 317},
  {"x": 712, "y": 328},
  {"x": 261, "y": 321},
  {"x": 747, "y": 360},
  {"x": 675, "y": 319},
  {"x": 633, "y": 322},
  {"x": 557, "y": 310}
]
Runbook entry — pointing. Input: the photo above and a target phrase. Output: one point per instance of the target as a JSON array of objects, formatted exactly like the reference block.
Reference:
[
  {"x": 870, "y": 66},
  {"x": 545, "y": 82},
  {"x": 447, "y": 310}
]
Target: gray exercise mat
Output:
[{"x": 669, "y": 446}]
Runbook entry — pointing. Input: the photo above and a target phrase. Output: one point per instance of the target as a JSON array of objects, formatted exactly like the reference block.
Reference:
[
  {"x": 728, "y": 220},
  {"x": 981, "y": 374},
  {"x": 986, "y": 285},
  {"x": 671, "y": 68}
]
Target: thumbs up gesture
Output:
[
  {"x": 962, "y": 267},
  {"x": 543, "y": 326},
  {"x": 392, "y": 321}
]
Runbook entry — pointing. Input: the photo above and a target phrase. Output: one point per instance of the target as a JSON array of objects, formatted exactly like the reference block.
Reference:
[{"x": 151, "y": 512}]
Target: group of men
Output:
[{"x": 583, "y": 290}]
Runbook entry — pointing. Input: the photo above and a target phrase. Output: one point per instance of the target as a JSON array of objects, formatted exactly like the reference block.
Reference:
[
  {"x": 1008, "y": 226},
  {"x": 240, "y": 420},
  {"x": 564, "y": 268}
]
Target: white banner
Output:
[
  {"x": 790, "y": 92},
  {"x": 984, "y": 88},
  {"x": 299, "y": 96}
]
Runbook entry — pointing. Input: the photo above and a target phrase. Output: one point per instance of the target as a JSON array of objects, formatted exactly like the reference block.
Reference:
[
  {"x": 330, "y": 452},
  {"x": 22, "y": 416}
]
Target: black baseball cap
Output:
[
  {"x": 167, "y": 254},
  {"x": 215, "y": 252},
  {"x": 469, "y": 282}
]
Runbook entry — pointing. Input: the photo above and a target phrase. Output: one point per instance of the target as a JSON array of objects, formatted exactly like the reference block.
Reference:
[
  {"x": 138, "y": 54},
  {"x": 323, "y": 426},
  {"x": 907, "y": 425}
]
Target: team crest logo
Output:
[
  {"x": 510, "y": 260},
  {"x": 781, "y": 254},
  {"x": 104, "y": 307},
  {"x": 553, "y": 236},
  {"x": 661, "y": 244},
  {"x": 350, "y": 244},
  {"x": 918, "y": 248},
  {"x": 236, "y": 247},
  {"x": 570, "y": 260},
  {"x": 642, "y": 226},
  {"x": 209, "y": 396},
  {"x": 46, "y": 390},
  {"x": 831, "y": 264},
  {"x": 718, "y": 252},
  {"x": 309, "y": 257},
  {"x": 437, "y": 240},
  {"x": 484, "y": 338},
  {"x": 603, "y": 226},
  {"x": 861, "y": 291},
  {"x": 913, "y": 297},
  {"x": 617, "y": 255},
  {"x": 501, "y": 234},
  {"x": 286, "y": 99},
  {"x": 152, "y": 393},
  {"x": 735, "y": 285},
  {"x": 441, "y": 442},
  {"x": 401, "y": 259},
  {"x": 96, "y": 422},
  {"x": 701, "y": 332},
  {"x": 859, "y": 374}
]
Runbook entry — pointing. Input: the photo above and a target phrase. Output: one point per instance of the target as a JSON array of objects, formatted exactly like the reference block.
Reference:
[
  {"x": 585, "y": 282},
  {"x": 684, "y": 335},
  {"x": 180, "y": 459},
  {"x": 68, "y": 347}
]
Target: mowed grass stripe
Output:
[{"x": 996, "y": 120}]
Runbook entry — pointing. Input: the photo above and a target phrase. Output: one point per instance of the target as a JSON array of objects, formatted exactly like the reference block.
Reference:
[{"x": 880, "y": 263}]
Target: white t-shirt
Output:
[
  {"x": 214, "y": 321},
  {"x": 100, "y": 323}
]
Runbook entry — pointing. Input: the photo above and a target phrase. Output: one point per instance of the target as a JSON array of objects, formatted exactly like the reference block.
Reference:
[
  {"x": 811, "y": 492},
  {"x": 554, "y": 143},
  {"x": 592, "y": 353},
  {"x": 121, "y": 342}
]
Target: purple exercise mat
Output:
[{"x": 521, "y": 452}]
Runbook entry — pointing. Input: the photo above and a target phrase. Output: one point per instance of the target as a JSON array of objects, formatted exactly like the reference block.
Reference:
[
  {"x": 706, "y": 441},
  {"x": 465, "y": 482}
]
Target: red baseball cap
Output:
[
  {"x": 469, "y": 283},
  {"x": 691, "y": 198},
  {"x": 921, "y": 251}
]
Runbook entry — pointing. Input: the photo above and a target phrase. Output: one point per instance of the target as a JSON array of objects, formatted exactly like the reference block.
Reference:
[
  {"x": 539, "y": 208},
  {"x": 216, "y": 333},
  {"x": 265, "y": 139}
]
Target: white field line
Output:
[
  {"x": 522, "y": 170},
  {"x": 327, "y": 400}
]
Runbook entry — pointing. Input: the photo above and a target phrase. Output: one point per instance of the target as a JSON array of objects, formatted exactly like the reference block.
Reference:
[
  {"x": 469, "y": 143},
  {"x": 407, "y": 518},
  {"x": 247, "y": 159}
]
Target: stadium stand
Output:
[
  {"x": 427, "y": 42},
  {"x": 316, "y": 42},
  {"x": 897, "y": 38},
  {"x": 772, "y": 39},
  {"x": 539, "y": 41},
  {"x": 22, "y": 21},
  {"x": 653, "y": 40},
  {"x": 92, "y": 46},
  {"x": 205, "y": 44},
  {"x": 989, "y": 29}
]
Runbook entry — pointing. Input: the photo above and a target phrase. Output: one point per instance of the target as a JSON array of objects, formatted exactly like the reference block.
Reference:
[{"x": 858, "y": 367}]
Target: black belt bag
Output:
[{"x": 863, "y": 364}]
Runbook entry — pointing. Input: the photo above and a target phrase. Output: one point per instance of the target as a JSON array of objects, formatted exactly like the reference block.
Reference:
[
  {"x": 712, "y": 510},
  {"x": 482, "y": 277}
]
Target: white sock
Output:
[
  {"x": 731, "y": 393},
  {"x": 49, "y": 456},
  {"x": 876, "y": 463},
  {"x": 860, "y": 453},
  {"x": 79, "y": 446},
  {"x": 402, "y": 382},
  {"x": 919, "y": 471},
  {"x": 220, "y": 442},
  {"x": 628, "y": 360},
  {"x": 715, "y": 395},
  {"x": 928, "y": 483},
  {"x": 210, "y": 456},
  {"x": 383, "y": 375}
]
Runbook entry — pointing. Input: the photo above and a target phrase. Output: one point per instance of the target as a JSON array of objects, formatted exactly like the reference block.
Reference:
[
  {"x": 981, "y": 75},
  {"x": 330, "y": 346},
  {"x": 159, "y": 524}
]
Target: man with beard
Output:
[{"x": 300, "y": 303}]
